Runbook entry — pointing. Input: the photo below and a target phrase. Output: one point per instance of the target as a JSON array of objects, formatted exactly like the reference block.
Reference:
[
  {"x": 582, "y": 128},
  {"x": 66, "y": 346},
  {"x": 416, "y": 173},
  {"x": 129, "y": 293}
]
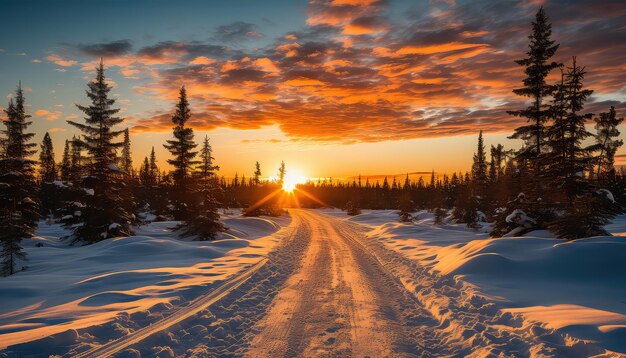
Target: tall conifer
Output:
[
  {"x": 105, "y": 214},
  {"x": 19, "y": 209},
  {"x": 182, "y": 149}
]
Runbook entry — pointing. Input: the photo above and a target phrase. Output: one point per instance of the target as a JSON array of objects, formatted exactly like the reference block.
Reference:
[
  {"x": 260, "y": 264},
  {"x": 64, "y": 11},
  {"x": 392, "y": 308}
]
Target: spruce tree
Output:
[
  {"x": 182, "y": 149},
  {"x": 582, "y": 209},
  {"x": 537, "y": 66},
  {"x": 205, "y": 222},
  {"x": 47, "y": 165},
  {"x": 281, "y": 173},
  {"x": 126, "y": 161},
  {"x": 66, "y": 163},
  {"x": 607, "y": 143},
  {"x": 153, "y": 169},
  {"x": 144, "y": 173},
  {"x": 49, "y": 193},
  {"x": 19, "y": 209},
  {"x": 479, "y": 167},
  {"x": 257, "y": 174},
  {"x": 105, "y": 214}
]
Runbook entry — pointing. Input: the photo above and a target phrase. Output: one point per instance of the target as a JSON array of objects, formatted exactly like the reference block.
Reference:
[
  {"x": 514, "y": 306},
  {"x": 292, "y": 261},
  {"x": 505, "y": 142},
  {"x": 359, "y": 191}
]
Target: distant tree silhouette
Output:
[
  {"x": 49, "y": 193},
  {"x": 479, "y": 167},
  {"x": 257, "y": 174},
  {"x": 153, "y": 168},
  {"x": 66, "y": 163},
  {"x": 607, "y": 143},
  {"x": 47, "y": 165},
  {"x": 282, "y": 171},
  {"x": 126, "y": 160},
  {"x": 77, "y": 169}
]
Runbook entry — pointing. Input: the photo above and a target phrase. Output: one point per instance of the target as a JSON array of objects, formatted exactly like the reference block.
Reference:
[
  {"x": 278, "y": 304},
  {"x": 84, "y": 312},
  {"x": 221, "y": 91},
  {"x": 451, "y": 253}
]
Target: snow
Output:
[
  {"x": 114, "y": 226},
  {"x": 59, "y": 184},
  {"x": 69, "y": 287},
  {"x": 115, "y": 168},
  {"x": 477, "y": 294},
  {"x": 520, "y": 218},
  {"x": 606, "y": 193},
  {"x": 576, "y": 287}
]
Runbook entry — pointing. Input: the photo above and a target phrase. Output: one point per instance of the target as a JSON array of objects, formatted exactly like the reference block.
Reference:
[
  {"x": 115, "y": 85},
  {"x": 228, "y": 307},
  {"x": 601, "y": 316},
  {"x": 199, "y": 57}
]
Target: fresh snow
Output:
[
  {"x": 577, "y": 287},
  {"x": 71, "y": 287},
  {"x": 456, "y": 290}
]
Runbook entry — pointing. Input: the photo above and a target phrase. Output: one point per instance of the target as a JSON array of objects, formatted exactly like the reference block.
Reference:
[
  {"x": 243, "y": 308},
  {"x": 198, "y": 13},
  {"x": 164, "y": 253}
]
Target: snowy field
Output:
[
  {"x": 576, "y": 287},
  {"x": 72, "y": 287}
]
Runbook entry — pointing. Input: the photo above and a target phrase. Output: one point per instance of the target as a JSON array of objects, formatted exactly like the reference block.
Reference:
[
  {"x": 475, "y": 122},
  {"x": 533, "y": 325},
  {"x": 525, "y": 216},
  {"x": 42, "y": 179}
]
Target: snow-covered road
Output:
[
  {"x": 329, "y": 290},
  {"x": 341, "y": 301}
]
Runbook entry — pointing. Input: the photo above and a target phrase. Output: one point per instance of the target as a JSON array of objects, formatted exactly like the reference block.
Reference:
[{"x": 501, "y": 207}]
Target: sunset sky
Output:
[{"x": 333, "y": 87}]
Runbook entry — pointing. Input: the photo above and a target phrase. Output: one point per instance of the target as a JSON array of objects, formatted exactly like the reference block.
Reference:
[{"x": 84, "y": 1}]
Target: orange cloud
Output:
[
  {"x": 202, "y": 60},
  {"x": 432, "y": 49},
  {"x": 50, "y": 116},
  {"x": 60, "y": 61}
]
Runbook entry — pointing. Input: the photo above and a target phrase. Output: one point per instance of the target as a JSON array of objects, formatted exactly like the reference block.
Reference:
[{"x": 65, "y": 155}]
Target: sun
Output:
[{"x": 292, "y": 179}]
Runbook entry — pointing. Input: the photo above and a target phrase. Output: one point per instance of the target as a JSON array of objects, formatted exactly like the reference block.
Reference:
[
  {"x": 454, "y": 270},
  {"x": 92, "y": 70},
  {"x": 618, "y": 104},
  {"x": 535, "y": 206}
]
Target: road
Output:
[
  {"x": 341, "y": 301},
  {"x": 328, "y": 290}
]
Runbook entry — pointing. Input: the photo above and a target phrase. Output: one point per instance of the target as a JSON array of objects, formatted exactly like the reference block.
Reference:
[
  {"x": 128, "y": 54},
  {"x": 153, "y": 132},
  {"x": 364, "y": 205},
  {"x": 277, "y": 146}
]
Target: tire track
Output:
[{"x": 198, "y": 305}]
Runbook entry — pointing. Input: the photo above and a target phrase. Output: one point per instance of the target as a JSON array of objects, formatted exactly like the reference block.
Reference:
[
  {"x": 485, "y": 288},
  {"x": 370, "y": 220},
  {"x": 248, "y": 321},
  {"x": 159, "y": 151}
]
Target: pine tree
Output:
[
  {"x": 182, "y": 149},
  {"x": 281, "y": 173},
  {"x": 49, "y": 193},
  {"x": 66, "y": 163},
  {"x": 153, "y": 169},
  {"x": 537, "y": 66},
  {"x": 19, "y": 209},
  {"x": 144, "y": 173},
  {"x": 47, "y": 166},
  {"x": 479, "y": 167},
  {"x": 582, "y": 210},
  {"x": 126, "y": 161},
  {"x": 205, "y": 223},
  {"x": 77, "y": 169},
  {"x": 607, "y": 143},
  {"x": 257, "y": 174},
  {"x": 106, "y": 199}
]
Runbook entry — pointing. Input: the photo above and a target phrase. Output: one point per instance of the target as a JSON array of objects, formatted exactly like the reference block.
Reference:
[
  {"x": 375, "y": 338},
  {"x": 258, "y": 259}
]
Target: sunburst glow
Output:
[{"x": 292, "y": 179}]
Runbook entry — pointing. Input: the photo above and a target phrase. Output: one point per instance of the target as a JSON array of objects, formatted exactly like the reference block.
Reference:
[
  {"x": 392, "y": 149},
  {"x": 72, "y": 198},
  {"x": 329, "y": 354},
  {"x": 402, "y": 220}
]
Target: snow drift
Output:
[
  {"x": 70, "y": 287},
  {"x": 577, "y": 287}
]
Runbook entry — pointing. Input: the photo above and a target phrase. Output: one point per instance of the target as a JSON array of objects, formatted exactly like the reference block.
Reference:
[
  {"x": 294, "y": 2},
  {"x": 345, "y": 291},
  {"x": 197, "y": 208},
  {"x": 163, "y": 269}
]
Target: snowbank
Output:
[
  {"x": 71, "y": 287},
  {"x": 578, "y": 287}
]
